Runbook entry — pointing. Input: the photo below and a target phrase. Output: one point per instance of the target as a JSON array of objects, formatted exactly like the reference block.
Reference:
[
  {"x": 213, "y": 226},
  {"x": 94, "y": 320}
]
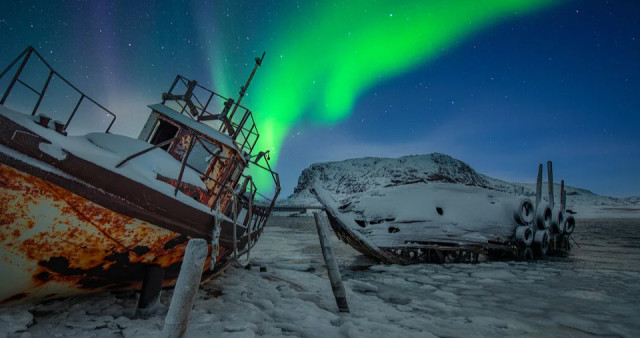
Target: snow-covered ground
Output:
[{"x": 594, "y": 291}]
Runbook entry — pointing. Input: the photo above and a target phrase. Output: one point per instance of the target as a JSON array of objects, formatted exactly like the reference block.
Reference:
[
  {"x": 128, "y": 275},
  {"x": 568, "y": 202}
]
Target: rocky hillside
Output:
[
  {"x": 355, "y": 176},
  {"x": 360, "y": 175}
]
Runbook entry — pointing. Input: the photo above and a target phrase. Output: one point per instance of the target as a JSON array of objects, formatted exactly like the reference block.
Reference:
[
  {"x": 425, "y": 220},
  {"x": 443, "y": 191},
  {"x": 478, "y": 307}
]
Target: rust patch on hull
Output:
[{"x": 53, "y": 241}]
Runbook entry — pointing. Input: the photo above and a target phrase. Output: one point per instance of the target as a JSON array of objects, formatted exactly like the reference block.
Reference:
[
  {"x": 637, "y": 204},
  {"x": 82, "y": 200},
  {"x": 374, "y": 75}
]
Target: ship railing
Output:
[
  {"x": 200, "y": 96},
  {"x": 260, "y": 211},
  {"x": 256, "y": 217},
  {"x": 260, "y": 161},
  {"x": 200, "y": 103},
  {"x": 245, "y": 193},
  {"x": 266, "y": 204},
  {"x": 246, "y": 133},
  {"x": 20, "y": 77},
  {"x": 184, "y": 162},
  {"x": 260, "y": 205},
  {"x": 263, "y": 204}
]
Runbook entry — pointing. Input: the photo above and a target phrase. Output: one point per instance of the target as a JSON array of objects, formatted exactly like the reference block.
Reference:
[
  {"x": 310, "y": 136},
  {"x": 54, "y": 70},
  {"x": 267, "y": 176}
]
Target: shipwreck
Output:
[
  {"x": 86, "y": 212},
  {"x": 435, "y": 222}
]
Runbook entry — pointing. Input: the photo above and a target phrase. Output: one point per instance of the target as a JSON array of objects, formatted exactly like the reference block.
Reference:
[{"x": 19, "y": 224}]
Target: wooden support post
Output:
[
  {"x": 550, "y": 178},
  {"x": 150, "y": 292},
  {"x": 563, "y": 197},
  {"x": 539, "y": 186},
  {"x": 186, "y": 289},
  {"x": 330, "y": 262}
]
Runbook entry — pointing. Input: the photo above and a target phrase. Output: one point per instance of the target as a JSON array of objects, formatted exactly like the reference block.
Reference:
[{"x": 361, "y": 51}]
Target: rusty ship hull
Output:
[
  {"x": 93, "y": 212},
  {"x": 54, "y": 243}
]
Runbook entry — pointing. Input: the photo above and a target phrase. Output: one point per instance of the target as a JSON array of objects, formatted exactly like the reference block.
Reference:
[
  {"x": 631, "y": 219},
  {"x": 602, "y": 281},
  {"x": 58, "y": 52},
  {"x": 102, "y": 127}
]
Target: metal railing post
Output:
[
  {"x": 204, "y": 109},
  {"x": 224, "y": 182},
  {"x": 14, "y": 61},
  {"x": 184, "y": 162},
  {"x": 175, "y": 81},
  {"x": 161, "y": 144},
  {"x": 44, "y": 89},
  {"x": 15, "y": 77},
  {"x": 241, "y": 124},
  {"x": 73, "y": 113},
  {"x": 111, "y": 124}
]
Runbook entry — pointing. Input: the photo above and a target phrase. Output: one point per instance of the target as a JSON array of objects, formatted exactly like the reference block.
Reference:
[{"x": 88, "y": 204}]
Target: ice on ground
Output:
[
  {"x": 573, "y": 296},
  {"x": 15, "y": 319}
]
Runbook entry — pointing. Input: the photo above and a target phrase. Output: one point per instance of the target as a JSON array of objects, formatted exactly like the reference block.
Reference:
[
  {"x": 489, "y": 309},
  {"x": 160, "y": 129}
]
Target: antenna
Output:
[{"x": 243, "y": 89}]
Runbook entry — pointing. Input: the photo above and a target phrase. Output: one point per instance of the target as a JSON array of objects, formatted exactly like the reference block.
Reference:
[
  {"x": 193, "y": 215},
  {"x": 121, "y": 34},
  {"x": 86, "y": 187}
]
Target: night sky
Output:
[{"x": 502, "y": 85}]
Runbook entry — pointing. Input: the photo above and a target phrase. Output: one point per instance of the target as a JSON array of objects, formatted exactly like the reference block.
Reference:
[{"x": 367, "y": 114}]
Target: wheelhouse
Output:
[{"x": 218, "y": 151}]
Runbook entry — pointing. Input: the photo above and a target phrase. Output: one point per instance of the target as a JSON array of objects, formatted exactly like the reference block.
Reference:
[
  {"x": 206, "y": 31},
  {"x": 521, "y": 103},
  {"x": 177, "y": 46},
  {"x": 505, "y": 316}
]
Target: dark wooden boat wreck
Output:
[
  {"x": 442, "y": 223},
  {"x": 96, "y": 211}
]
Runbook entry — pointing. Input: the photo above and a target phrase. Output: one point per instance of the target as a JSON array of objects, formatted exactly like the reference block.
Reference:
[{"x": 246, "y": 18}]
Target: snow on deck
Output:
[{"x": 107, "y": 150}]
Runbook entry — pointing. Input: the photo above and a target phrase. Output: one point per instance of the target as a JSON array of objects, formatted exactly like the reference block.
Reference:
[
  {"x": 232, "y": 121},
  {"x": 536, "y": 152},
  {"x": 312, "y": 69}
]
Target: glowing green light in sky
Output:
[{"x": 322, "y": 57}]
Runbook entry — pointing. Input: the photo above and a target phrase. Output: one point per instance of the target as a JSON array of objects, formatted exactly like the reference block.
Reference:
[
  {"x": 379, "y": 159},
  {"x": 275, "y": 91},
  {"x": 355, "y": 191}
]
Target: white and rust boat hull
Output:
[
  {"x": 86, "y": 212},
  {"x": 54, "y": 243}
]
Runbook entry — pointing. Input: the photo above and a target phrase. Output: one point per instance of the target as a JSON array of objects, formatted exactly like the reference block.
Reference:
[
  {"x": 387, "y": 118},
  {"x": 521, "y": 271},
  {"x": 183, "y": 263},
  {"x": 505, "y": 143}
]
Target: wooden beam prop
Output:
[
  {"x": 150, "y": 292},
  {"x": 550, "y": 177},
  {"x": 330, "y": 263},
  {"x": 186, "y": 289}
]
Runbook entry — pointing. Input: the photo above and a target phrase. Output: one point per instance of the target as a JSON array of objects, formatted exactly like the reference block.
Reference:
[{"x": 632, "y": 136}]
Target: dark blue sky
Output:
[{"x": 560, "y": 84}]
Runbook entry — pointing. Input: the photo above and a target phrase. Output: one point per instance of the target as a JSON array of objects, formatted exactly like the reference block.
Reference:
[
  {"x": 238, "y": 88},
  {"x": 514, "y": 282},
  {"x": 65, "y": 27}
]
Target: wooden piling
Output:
[
  {"x": 150, "y": 292},
  {"x": 550, "y": 177},
  {"x": 186, "y": 289},
  {"x": 563, "y": 197},
  {"x": 539, "y": 186},
  {"x": 330, "y": 263}
]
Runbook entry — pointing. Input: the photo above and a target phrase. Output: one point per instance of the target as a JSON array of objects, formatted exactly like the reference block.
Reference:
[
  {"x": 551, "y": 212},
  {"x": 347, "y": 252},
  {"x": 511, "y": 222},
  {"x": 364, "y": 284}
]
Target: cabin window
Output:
[
  {"x": 236, "y": 173},
  {"x": 162, "y": 131},
  {"x": 200, "y": 158}
]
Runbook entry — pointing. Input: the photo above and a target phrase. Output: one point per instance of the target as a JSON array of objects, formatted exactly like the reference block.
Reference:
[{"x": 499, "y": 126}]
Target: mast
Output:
[{"x": 243, "y": 89}]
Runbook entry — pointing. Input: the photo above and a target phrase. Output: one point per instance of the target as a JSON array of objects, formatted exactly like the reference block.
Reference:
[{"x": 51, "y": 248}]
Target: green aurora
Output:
[{"x": 322, "y": 57}]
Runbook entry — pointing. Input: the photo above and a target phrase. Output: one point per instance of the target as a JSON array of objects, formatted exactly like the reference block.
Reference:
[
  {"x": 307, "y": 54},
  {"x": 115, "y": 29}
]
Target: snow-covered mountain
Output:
[{"x": 356, "y": 176}]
